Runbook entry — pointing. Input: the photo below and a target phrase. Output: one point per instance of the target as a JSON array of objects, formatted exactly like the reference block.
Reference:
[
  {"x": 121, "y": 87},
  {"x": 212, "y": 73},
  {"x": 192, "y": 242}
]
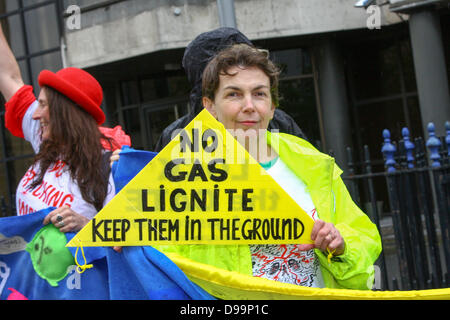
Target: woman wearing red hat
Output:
[{"x": 63, "y": 127}]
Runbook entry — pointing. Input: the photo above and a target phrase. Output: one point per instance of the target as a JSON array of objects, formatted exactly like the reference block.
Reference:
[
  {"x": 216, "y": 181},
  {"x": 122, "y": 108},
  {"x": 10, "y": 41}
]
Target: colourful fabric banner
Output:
[
  {"x": 35, "y": 264},
  {"x": 30, "y": 270}
]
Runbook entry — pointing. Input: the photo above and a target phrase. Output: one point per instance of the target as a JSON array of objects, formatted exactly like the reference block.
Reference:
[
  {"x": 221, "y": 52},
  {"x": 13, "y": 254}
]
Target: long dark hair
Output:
[{"x": 76, "y": 140}]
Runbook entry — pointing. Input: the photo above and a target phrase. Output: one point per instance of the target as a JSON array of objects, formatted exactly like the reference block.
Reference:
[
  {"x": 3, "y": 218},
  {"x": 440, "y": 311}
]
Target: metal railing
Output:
[{"x": 418, "y": 209}]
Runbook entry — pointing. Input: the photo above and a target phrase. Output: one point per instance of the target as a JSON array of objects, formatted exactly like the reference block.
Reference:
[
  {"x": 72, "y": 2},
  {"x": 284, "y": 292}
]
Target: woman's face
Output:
[
  {"x": 243, "y": 103},
  {"x": 42, "y": 114}
]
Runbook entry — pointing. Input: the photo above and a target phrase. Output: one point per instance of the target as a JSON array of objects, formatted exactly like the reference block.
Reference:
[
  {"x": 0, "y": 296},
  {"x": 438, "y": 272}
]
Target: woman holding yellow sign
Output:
[{"x": 240, "y": 89}]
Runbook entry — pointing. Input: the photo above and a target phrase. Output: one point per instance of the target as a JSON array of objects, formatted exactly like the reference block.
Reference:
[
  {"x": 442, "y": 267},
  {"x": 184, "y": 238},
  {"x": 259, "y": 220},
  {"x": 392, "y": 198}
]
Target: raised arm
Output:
[{"x": 10, "y": 76}]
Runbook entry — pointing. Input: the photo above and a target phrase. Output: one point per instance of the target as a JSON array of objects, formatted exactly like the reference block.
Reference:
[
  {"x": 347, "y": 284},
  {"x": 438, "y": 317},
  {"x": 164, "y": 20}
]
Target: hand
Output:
[
  {"x": 66, "y": 220},
  {"x": 325, "y": 236},
  {"x": 114, "y": 157}
]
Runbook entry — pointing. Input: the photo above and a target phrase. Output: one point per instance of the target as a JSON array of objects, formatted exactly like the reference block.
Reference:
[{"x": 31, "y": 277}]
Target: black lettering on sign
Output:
[
  {"x": 145, "y": 206},
  {"x": 224, "y": 228},
  {"x": 120, "y": 228},
  {"x": 197, "y": 171},
  {"x": 235, "y": 229},
  {"x": 230, "y": 198},
  {"x": 218, "y": 174},
  {"x": 162, "y": 198},
  {"x": 212, "y": 229},
  {"x": 110, "y": 230},
  {"x": 140, "y": 222},
  {"x": 182, "y": 204},
  {"x": 209, "y": 133},
  {"x": 299, "y": 228},
  {"x": 107, "y": 229},
  {"x": 185, "y": 142},
  {"x": 174, "y": 227},
  {"x": 181, "y": 199},
  {"x": 196, "y": 224},
  {"x": 169, "y": 168},
  {"x": 186, "y": 228},
  {"x": 199, "y": 200},
  {"x": 194, "y": 144},
  {"x": 275, "y": 228},
  {"x": 192, "y": 225},
  {"x": 95, "y": 230},
  {"x": 159, "y": 229},
  {"x": 246, "y": 200},
  {"x": 216, "y": 197}
]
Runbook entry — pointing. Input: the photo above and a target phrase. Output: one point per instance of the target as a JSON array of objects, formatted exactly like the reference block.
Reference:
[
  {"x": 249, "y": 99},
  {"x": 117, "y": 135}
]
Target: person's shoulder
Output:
[
  {"x": 285, "y": 123},
  {"x": 166, "y": 134},
  {"x": 294, "y": 140},
  {"x": 300, "y": 147},
  {"x": 19, "y": 108},
  {"x": 177, "y": 124}
]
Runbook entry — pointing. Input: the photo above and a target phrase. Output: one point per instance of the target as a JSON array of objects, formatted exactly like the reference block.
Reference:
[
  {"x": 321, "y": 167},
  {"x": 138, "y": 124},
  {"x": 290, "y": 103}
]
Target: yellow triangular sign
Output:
[{"x": 202, "y": 188}]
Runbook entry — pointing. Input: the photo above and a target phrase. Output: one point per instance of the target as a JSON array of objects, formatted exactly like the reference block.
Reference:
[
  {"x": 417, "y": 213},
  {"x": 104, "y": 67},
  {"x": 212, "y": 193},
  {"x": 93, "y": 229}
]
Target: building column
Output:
[
  {"x": 430, "y": 69},
  {"x": 333, "y": 100}
]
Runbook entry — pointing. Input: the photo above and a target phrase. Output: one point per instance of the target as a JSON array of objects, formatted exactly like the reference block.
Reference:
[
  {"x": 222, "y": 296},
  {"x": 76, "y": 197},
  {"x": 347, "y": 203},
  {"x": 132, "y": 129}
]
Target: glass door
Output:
[{"x": 158, "y": 115}]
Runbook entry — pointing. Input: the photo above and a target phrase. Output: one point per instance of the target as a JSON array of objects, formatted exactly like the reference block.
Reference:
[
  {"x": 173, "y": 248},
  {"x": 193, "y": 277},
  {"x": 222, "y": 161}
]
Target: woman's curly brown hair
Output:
[{"x": 244, "y": 56}]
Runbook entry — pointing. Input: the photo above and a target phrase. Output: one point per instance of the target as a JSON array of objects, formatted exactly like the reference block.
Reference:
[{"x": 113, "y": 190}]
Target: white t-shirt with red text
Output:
[
  {"x": 57, "y": 188},
  {"x": 287, "y": 263}
]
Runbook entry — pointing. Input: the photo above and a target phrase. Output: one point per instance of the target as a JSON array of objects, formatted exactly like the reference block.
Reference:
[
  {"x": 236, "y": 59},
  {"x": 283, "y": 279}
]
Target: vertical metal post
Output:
[
  {"x": 426, "y": 205},
  {"x": 375, "y": 217},
  {"x": 440, "y": 176},
  {"x": 413, "y": 219},
  {"x": 353, "y": 183},
  {"x": 407, "y": 225},
  {"x": 398, "y": 230},
  {"x": 62, "y": 41},
  {"x": 227, "y": 16},
  {"x": 440, "y": 180},
  {"x": 388, "y": 151}
]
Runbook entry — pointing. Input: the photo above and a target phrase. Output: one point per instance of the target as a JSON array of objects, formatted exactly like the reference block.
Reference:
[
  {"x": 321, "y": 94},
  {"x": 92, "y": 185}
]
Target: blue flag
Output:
[
  {"x": 27, "y": 268},
  {"x": 35, "y": 264},
  {"x": 130, "y": 163}
]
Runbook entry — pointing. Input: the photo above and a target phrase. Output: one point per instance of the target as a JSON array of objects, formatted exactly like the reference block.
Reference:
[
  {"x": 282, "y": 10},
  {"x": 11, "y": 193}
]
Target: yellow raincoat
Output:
[{"x": 352, "y": 270}]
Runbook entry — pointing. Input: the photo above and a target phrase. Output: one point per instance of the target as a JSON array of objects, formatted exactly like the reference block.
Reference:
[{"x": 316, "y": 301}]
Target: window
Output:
[
  {"x": 36, "y": 47},
  {"x": 150, "y": 104},
  {"x": 297, "y": 90},
  {"x": 383, "y": 92}
]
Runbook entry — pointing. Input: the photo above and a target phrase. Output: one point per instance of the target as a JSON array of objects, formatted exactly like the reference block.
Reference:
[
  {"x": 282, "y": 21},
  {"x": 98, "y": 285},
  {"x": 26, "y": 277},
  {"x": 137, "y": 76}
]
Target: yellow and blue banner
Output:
[{"x": 36, "y": 265}]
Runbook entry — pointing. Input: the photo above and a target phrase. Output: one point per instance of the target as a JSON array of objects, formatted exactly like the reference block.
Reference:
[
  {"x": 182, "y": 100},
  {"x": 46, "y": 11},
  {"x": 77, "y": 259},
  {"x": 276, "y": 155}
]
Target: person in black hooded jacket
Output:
[{"x": 196, "y": 56}]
